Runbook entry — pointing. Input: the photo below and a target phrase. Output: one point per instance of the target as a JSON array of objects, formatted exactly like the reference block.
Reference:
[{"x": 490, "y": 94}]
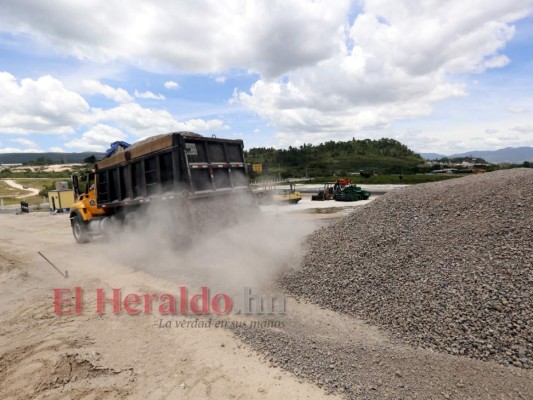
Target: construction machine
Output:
[
  {"x": 346, "y": 190},
  {"x": 194, "y": 179},
  {"x": 324, "y": 194},
  {"x": 272, "y": 195},
  {"x": 289, "y": 196}
]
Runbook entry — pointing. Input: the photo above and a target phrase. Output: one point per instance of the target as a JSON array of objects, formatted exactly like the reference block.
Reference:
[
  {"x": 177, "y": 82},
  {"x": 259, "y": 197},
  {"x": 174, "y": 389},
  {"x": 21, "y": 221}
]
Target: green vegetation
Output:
[
  {"x": 525, "y": 164},
  {"x": 459, "y": 160},
  {"x": 390, "y": 160},
  {"x": 383, "y": 156},
  {"x": 7, "y": 173},
  {"x": 40, "y": 161},
  {"x": 42, "y": 173}
]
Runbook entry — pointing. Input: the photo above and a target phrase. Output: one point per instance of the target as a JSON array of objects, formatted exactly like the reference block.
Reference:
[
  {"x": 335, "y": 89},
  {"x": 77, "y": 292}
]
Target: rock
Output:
[
  {"x": 452, "y": 259},
  {"x": 438, "y": 282}
]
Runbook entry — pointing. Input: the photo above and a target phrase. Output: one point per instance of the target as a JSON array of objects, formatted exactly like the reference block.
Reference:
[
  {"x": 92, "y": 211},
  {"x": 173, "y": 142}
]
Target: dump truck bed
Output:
[{"x": 175, "y": 164}]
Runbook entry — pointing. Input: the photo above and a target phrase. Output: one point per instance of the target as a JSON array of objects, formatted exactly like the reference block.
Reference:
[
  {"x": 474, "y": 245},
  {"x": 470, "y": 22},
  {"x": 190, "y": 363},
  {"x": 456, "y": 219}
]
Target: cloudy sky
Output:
[{"x": 439, "y": 75}]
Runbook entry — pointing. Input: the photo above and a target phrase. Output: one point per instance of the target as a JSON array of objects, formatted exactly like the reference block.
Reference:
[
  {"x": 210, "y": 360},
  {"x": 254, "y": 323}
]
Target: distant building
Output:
[{"x": 61, "y": 199}]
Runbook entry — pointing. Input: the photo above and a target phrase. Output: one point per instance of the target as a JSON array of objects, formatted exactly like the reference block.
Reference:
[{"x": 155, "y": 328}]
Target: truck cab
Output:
[{"x": 85, "y": 209}]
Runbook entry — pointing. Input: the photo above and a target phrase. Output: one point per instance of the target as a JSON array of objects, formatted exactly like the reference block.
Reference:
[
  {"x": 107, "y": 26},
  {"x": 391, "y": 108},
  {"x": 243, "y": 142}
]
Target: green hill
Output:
[{"x": 383, "y": 156}]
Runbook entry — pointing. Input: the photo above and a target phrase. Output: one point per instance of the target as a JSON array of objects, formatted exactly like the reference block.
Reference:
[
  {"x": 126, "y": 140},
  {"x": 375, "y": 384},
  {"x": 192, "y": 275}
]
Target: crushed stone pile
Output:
[{"x": 446, "y": 265}]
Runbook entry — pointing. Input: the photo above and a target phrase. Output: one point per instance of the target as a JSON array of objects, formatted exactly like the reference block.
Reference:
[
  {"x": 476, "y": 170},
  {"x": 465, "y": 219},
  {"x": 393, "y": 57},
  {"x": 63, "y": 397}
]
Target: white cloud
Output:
[
  {"x": 416, "y": 140},
  {"x": 144, "y": 122},
  {"x": 496, "y": 62},
  {"x": 18, "y": 150},
  {"x": 516, "y": 110},
  {"x": 98, "y": 138},
  {"x": 456, "y": 136},
  {"x": 524, "y": 129},
  {"x": 26, "y": 142},
  {"x": 139, "y": 121},
  {"x": 148, "y": 95},
  {"x": 171, "y": 85},
  {"x": 56, "y": 149},
  {"x": 201, "y": 125},
  {"x": 45, "y": 106},
  {"x": 206, "y": 37},
  {"x": 29, "y": 146},
  {"x": 501, "y": 141},
  {"x": 117, "y": 94},
  {"x": 220, "y": 79},
  {"x": 401, "y": 58},
  {"x": 320, "y": 76},
  {"x": 39, "y": 106}
]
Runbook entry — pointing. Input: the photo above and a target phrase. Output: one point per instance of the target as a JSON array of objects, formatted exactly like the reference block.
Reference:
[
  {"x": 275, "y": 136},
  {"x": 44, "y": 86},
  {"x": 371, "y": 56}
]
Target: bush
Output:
[{"x": 46, "y": 189}]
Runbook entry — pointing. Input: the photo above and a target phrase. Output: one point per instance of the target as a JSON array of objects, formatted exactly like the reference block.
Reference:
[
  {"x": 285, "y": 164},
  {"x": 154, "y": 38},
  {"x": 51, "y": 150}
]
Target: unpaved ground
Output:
[
  {"x": 91, "y": 356},
  {"x": 13, "y": 184},
  {"x": 44, "y": 356}
]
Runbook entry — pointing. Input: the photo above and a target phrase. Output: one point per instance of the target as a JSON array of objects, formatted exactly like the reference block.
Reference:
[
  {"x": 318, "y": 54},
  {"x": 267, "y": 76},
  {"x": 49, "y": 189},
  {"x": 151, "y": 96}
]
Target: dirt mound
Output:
[{"x": 445, "y": 265}]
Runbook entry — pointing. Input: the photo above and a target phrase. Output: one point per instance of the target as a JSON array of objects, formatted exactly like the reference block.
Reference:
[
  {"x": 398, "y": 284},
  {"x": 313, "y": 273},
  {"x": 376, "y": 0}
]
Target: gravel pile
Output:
[{"x": 447, "y": 266}]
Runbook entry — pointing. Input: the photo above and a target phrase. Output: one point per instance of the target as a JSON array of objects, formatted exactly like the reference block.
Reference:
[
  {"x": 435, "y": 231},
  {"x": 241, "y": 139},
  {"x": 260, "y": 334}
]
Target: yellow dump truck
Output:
[{"x": 196, "y": 180}]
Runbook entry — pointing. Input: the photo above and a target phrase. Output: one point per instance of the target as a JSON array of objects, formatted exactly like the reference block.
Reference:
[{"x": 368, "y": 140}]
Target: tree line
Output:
[{"x": 331, "y": 157}]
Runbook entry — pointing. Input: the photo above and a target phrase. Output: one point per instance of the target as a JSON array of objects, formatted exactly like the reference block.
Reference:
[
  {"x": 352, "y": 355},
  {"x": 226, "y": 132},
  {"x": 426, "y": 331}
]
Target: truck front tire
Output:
[{"x": 80, "y": 230}]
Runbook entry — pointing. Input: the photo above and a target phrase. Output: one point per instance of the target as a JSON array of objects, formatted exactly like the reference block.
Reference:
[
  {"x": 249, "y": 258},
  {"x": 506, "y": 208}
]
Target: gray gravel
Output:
[
  {"x": 446, "y": 266},
  {"x": 343, "y": 357}
]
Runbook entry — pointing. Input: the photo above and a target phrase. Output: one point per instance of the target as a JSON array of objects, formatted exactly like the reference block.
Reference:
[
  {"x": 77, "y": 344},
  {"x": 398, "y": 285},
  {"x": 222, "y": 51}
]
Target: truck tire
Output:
[
  {"x": 131, "y": 221},
  {"x": 80, "y": 230}
]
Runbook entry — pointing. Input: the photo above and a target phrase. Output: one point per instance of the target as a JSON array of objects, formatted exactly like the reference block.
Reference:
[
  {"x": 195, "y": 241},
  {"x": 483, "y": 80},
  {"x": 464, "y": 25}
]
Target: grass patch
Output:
[
  {"x": 39, "y": 183},
  {"x": 12, "y": 195}
]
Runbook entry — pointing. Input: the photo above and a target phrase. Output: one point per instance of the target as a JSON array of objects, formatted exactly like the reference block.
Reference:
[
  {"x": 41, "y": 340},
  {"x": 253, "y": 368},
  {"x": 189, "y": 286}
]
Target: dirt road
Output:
[{"x": 13, "y": 184}]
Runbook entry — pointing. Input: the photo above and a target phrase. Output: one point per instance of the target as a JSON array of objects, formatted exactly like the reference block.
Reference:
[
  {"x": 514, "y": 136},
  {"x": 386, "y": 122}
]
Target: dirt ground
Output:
[
  {"x": 93, "y": 356},
  {"x": 89, "y": 356}
]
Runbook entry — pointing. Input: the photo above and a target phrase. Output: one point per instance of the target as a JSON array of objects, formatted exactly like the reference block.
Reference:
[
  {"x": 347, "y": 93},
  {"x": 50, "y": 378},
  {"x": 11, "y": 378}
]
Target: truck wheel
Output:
[
  {"x": 131, "y": 221},
  {"x": 79, "y": 230}
]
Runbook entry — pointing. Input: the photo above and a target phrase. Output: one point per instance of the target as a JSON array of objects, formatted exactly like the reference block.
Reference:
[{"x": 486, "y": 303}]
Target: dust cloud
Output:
[{"x": 225, "y": 243}]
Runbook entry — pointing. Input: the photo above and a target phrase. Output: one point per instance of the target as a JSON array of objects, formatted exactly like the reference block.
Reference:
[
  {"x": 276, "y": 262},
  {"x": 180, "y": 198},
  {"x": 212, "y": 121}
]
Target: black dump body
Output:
[{"x": 176, "y": 164}]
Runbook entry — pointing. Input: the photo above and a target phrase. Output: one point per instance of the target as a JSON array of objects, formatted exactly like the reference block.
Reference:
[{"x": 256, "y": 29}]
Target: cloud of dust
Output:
[{"x": 225, "y": 243}]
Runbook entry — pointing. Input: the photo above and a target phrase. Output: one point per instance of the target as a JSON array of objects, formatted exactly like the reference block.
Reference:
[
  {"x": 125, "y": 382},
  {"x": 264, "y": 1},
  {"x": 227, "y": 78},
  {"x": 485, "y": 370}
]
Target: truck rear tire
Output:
[
  {"x": 131, "y": 221},
  {"x": 80, "y": 230}
]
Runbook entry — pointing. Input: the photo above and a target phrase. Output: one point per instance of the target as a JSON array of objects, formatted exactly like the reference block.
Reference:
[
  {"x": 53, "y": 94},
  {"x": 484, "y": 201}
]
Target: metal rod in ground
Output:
[{"x": 64, "y": 275}]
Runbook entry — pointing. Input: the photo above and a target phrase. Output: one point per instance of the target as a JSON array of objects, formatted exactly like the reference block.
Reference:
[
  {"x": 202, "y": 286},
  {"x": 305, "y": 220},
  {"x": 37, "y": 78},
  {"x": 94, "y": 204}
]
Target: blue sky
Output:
[{"x": 440, "y": 76}]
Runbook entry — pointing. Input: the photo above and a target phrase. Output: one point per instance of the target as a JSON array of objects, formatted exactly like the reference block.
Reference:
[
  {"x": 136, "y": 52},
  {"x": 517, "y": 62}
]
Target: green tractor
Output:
[{"x": 350, "y": 192}]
